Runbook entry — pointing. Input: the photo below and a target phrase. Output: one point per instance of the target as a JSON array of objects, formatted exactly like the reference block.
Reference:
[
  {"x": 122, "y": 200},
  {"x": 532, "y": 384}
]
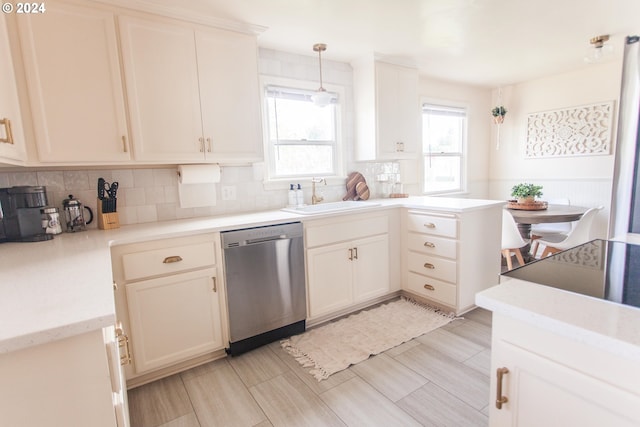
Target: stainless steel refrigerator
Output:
[{"x": 625, "y": 203}]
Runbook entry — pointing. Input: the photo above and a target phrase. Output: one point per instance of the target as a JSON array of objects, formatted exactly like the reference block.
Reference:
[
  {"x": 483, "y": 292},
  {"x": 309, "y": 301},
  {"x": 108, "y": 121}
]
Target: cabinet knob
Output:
[
  {"x": 172, "y": 259},
  {"x": 429, "y": 287},
  {"x": 430, "y": 225},
  {"x": 500, "y": 399},
  {"x": 429, "y": 266},
  {"x": 429, "y": 245}
]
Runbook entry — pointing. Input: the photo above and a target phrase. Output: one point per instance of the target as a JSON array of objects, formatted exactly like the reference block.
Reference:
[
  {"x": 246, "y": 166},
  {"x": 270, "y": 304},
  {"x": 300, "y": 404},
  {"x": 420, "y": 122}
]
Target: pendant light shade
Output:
[{"x": 321, "y": 98}]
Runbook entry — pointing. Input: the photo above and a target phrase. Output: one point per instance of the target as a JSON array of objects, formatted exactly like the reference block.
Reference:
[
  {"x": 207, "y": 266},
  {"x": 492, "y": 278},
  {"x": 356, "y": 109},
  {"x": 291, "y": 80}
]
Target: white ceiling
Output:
[{"x": 483, "y": 42}]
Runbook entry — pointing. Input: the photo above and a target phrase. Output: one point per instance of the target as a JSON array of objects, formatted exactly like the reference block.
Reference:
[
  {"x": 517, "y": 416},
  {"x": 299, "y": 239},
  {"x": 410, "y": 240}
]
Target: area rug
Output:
[{"x": 335, "y": 346}]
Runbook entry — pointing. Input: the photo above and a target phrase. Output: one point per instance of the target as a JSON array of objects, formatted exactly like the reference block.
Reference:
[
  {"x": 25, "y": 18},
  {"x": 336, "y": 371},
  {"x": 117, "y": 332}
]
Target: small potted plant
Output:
[
  {"x": 498, "y": 114},
  {"x": 526, "y": 193}
]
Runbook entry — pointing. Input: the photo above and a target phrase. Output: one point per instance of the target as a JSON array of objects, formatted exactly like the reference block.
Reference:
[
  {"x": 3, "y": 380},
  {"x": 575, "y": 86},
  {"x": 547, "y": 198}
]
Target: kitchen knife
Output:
[{"x": 101, "y": 185}]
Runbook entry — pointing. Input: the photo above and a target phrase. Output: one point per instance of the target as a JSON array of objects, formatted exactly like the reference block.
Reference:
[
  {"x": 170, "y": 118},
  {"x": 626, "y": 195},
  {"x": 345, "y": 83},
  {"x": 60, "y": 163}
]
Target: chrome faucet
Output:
[{"x": 314, "y": 198}]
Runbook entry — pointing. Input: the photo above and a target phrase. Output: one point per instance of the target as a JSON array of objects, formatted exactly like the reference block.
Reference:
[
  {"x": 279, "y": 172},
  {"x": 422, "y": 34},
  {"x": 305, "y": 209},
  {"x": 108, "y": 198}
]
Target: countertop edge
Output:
[{"x": 536, "y": 305}]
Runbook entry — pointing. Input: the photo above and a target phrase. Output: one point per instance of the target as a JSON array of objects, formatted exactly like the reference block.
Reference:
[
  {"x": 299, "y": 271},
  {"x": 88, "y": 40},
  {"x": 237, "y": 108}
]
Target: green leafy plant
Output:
[
  {"x": 525, "y": 190},
  {"x": 499, "y": 111}
]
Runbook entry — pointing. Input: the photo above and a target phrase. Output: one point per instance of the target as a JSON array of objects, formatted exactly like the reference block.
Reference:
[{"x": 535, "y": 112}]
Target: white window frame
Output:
[
  {"x": 339, "y": 174},
  {"x": 463, "y": 146}
]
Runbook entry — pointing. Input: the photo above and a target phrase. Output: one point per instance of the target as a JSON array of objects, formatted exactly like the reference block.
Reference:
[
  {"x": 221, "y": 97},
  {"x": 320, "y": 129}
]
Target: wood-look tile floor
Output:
[{"x": 438, "y": 379}]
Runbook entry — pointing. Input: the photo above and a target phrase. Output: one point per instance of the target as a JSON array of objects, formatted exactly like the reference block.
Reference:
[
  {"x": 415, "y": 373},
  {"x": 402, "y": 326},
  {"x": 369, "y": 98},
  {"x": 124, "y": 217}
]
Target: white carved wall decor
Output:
[{"x": 576, "y": 131}]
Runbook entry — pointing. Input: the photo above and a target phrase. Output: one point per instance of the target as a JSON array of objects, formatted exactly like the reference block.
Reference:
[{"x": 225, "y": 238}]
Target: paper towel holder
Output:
[{"x": 221, "y": 170}]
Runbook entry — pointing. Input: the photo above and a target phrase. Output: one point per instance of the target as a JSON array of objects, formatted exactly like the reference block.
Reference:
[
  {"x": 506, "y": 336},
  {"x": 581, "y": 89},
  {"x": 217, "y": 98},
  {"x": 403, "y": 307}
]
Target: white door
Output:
[
  {"x": 174, "y": 318},
  {"x": 161, "y": 73},
  {"x": 371, "y": 267},
  {"x": 541, "y": 392},
  {"x": 230, "y": 96},
  {"x": 75, "y": 86},
  {"x": 12, "y": 145},
  {"x": 330, "y": 283}
]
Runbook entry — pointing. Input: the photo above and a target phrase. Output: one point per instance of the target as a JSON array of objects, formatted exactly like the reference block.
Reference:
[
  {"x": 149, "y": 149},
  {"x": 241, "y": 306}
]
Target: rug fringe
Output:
[
  {"x": 436, "y": 310},
  {"x": 305, "y": 360}
]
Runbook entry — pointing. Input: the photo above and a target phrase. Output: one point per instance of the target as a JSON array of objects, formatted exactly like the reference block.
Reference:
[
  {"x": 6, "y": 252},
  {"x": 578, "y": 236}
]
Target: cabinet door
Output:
[
  {"x": 230, "y": 96},
  {"x": 162, "y": 90},
  {"x": 330, "y": 272},
  {"x": 12, "y": 145},
  {"x": 371, "y": 267},
  {"x": 397, "y": 106},
  {"x": 174, "y": 318},
  {"x": 541, "y": 392},
  {"x": 75, "y": 86}
]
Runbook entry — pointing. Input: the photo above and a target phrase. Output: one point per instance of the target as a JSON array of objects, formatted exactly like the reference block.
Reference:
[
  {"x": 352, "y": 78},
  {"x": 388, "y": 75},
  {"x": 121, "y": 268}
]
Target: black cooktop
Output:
[{"x": 600, "y": 268}]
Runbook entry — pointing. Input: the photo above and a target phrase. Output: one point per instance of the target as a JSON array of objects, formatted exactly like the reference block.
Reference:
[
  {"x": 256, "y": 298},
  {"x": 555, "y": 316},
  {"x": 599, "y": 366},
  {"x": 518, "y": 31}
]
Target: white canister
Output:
[{"x": 51, "y": 220}]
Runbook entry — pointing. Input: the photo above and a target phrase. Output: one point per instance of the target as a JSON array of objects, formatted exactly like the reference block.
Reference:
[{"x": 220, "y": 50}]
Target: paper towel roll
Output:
[{"x": 198, "y": 174}]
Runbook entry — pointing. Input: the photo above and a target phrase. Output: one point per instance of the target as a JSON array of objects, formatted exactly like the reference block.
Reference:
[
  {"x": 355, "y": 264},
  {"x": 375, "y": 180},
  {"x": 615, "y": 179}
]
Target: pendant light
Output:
[{"x": 321, "y": 98}]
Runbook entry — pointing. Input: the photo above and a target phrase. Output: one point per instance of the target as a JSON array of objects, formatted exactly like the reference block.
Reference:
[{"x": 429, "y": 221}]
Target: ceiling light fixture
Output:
[
  {"x": 321, "y": 98},
  {"x": 598, "y": 49}
]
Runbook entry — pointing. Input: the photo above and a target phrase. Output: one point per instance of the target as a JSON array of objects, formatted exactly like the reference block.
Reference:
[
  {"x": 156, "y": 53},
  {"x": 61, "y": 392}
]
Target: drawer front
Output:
[
  {"x": 318, "y": 235},
  {"x": 168, "y": 260},
  {"x": 432, "y": 289},
  {"x": 432, "y": 245},
  {"x": 437, "y": 268},
  {"x": 433, "y": 225}
]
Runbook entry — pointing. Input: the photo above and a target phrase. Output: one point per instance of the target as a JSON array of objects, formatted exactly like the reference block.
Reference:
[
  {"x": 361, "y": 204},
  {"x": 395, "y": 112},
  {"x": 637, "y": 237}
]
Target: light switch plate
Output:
[{"x": 228, "y": 192}]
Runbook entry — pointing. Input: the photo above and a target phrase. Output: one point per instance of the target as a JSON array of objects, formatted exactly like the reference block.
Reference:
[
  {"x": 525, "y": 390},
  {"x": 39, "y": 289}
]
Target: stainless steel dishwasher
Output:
[{"x": 266, "y": 296}]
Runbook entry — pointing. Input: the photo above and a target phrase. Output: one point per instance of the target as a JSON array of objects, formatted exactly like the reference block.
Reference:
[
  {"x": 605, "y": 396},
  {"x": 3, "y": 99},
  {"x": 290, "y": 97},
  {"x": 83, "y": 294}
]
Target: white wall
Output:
[
  {"x": 478, "y": 102},
  {"x": 585, "y": 180}
]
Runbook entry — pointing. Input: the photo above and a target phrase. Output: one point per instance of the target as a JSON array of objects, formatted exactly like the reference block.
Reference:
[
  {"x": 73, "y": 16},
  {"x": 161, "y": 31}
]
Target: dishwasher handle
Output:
[{"x": 265, "y": 239}]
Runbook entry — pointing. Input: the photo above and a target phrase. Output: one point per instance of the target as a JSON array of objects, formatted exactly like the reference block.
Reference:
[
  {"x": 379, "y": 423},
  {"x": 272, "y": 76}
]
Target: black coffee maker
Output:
[{"x": 20, "y": 216}]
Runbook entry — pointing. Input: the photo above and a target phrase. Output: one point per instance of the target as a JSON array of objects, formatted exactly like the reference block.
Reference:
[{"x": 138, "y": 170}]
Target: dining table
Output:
[{"x": 553, "y": 213}]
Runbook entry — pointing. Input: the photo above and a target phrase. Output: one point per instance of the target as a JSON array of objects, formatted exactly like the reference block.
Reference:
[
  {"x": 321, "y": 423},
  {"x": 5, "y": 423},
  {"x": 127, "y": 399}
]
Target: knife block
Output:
[{"x": 107, "y": 221}]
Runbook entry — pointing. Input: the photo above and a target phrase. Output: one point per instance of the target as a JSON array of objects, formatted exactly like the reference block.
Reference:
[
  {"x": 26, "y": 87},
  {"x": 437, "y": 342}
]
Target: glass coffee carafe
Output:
[{"x": 74, "y": 214}]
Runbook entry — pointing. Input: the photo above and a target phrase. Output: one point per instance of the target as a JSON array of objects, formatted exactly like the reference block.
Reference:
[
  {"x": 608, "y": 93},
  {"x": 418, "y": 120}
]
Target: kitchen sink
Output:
[{"x": 347, "y": 205}]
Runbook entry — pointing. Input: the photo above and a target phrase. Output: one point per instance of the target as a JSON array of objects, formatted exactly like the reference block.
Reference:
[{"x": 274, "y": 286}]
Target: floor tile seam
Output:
[
  {"x": 451, "y": 395},
  {"x": 193, "y": 408},
  {"x": 382, "y": 393},
  {"x": 444, "y": 387},
  {"x": 247, "y": 386}
]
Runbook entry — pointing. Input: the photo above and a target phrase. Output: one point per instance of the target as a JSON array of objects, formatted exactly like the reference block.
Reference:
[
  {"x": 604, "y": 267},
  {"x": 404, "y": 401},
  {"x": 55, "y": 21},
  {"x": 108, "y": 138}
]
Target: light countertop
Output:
[
  {"x": 609, "y": 326},
  {"x": 63, "y": 287}
]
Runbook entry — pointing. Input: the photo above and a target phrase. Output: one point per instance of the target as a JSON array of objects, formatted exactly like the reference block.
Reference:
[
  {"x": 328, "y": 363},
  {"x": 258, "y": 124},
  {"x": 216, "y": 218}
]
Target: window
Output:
[
  {"x": 444, "y": 130},
  {"x": 303, "y": 140}
]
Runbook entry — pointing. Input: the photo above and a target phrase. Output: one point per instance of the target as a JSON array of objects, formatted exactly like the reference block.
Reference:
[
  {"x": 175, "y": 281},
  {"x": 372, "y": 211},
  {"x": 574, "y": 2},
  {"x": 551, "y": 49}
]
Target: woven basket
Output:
[{"x": 534, "y": 206}]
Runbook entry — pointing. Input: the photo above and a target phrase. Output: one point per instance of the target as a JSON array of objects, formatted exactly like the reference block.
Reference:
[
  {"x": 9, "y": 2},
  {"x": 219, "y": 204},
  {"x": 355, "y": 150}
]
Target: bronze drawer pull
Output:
[
  {"x": 500, "y": 399},
  {"x": 429, "y": 265},
  {"x": 429, "y": 288},
  {"x": 7, "y": 126},
  {"x": 429, "y": 245},
  {"x": 171, "y": 259},
  {"x": 430, "y": 225}
]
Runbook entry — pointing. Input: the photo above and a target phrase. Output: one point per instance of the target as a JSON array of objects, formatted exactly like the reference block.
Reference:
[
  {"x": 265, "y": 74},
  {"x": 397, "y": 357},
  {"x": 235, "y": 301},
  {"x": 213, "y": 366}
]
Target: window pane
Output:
[
  {"x": 303, "y": 160},
  {"x": 442, "y": 173},
  {"x": 300, "y": 120},
  {"x": 443, "y": 131}
]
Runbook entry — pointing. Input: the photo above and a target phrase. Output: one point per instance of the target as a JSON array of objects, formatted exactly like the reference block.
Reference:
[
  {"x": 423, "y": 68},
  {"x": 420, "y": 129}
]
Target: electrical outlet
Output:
[{"x": 228, "y": 192}]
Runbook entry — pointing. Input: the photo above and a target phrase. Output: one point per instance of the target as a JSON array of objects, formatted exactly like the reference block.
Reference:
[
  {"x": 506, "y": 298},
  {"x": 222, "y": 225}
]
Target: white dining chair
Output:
[
  {"x": 512, "y": 241},
  {"x": 579, "y": 234},
  {"x": 553, "y": 230}
]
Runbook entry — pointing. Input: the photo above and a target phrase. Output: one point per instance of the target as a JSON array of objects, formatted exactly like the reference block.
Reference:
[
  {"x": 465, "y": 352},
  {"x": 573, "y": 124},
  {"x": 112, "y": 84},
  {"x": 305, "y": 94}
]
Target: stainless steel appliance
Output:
[
  {"x": 20, "y": 216},
  {"x": 265, "y": 275}
]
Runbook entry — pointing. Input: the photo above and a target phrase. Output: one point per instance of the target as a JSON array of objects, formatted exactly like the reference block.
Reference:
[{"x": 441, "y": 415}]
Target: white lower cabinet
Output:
[
  {"x": 71, "y": 382},
  {"x": 344, "y": 265},
  {"x": 170, "y": 299},
  {"x": 549, "y": 380},
  {"x": 174, "y": 318},
  {"x": 450, "y": 256}
]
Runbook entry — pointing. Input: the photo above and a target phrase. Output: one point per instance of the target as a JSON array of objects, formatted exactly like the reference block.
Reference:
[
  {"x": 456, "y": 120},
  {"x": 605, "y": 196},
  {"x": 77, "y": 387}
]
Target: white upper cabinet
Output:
[
  {"x": 387, "y": 111},
  {"x": 193, "y": 94},
  {"x": 12, "y": 145},
  {"x": 75, "y": 86}
]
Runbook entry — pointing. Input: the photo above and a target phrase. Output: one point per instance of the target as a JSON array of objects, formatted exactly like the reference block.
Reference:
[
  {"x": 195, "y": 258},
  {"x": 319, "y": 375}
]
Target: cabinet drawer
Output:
[
  {"x": 432, "y": 245},
  {"x": 432, "y": 224},
  {"x": 438, "y": 268},
  {"x": 432, "y": 289},
  {"x": 168, "y": 260},
  {"x": 318, "y": 235}
]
